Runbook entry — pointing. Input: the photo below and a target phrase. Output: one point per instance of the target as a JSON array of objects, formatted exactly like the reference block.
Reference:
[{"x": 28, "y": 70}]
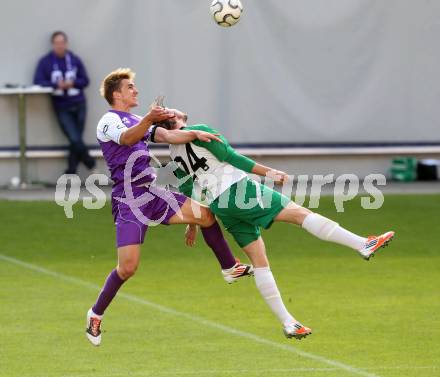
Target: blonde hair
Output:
[{"x": 112, "y": 82}]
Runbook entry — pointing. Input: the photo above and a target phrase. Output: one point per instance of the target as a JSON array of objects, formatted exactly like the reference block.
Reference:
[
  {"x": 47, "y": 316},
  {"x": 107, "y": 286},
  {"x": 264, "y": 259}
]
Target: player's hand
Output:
[
  {"x": 207, "y": 137},
  {"x": 278, "y": 176},
  {"x": 158, "y": 114},
  {"x": 191, "y": 235}
]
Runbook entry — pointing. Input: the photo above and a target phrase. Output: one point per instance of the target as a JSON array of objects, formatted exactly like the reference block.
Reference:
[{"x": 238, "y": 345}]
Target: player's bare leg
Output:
[
  {"x": 329, "y": 230},
  {"x": 256, "y": 252},
  {"x": 265, "y": 282},
  {"x": 128, "y": 262},
  {"x": 193, "y": 212}
]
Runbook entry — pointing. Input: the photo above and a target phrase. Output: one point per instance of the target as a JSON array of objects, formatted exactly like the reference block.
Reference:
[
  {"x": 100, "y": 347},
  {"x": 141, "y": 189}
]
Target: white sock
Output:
[
  {"x": 268, "y": 288},
  {"x": 328, "y": 230}
]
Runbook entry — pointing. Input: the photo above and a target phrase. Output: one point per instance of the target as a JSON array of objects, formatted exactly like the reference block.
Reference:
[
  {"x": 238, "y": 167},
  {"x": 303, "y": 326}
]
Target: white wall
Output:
[{"x": 290, "y": 71}]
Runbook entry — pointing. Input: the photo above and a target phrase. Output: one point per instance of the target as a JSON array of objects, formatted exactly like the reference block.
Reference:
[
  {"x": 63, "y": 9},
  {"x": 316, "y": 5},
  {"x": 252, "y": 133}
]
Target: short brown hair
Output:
[
  {"x": 58, "y": 33},
  {"x": 112, "y": 82}
]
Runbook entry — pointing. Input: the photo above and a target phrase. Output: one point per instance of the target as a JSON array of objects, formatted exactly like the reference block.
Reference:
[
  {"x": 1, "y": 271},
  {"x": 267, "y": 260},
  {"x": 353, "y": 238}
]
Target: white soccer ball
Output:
[{"x": 226, "y": 13}]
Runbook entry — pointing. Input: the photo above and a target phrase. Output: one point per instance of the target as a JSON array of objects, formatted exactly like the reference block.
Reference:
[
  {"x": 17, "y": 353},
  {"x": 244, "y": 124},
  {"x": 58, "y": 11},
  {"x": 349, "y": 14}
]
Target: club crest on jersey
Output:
[{"x": 125, "y": 120}]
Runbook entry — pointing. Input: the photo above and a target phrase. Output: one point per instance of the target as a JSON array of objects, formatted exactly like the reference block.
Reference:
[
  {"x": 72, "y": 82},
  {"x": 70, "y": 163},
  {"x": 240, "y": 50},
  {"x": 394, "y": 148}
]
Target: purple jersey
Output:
[
  {"x": 117, "y": 156},
  {"x": 135, "y": 209}
]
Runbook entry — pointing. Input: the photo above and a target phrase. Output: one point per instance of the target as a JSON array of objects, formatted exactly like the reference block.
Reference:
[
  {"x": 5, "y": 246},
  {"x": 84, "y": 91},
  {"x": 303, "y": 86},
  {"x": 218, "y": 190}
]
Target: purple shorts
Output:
[{"x": 148, "y": 205}]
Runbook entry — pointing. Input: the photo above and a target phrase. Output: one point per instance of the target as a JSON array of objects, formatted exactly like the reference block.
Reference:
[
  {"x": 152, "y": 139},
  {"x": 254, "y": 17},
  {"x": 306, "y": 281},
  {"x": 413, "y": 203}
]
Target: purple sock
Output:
[
  {"x": 214, "y": 239},
  {"x": 111, "y": 287}
]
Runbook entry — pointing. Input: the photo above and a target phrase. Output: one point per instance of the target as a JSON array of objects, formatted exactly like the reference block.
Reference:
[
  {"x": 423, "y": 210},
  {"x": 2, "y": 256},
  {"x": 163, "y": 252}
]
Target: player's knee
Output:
[
  {"x": 207, "y": 217},
  {"x": 293, "y": 213},
  {"x": 127, "y": 270},
  {"x": 300, "y": 214}
]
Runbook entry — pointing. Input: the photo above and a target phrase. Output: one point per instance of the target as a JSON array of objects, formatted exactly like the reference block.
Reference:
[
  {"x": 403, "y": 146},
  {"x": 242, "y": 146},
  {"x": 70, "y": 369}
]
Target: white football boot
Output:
[
  {"x": 374, "y": 243},
  {"x": 237, "y": 271},
  {"x": 93, "y": 329},
  {"x": 296, "y": 330}
]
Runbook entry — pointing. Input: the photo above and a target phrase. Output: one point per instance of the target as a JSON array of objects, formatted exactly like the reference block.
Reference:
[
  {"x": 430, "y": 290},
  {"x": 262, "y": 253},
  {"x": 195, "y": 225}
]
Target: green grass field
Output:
[{"x": 177, "y": 317}]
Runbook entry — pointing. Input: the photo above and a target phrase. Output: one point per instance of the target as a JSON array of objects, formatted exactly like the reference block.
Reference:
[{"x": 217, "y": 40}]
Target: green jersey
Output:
[
  {"x": 209, "y": 168},
  {"x": 216, "y": 170}
]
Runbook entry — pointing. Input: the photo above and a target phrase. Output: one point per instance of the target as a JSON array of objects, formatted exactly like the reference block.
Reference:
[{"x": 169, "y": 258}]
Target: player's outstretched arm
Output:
[
  {"x": 224, "y": 152},
  {"x": 163, "y": 135},
  {"x": 228, "y": 154},
  {"x": 136, "y": 133}
]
